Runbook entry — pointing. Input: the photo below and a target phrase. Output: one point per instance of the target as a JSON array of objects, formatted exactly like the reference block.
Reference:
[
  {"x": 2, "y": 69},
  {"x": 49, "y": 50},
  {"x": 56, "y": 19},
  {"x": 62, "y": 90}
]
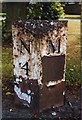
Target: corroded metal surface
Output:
[
  {"x": 39, "y": 49},
  {"x": 53, "y": 68},
  {"x": 52, "y": 96}
]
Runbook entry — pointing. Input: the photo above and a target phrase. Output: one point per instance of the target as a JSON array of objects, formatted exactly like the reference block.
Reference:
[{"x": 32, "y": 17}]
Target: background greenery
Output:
[
  {"x": 38, "y": 11},
  {"x": 73, "y": 53}
]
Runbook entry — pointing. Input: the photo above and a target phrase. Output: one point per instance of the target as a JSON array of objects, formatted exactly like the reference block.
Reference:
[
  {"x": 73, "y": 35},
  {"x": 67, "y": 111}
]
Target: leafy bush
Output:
[
  {"x": 45, "y": 10},
  {"x": 40, "y": 11}
]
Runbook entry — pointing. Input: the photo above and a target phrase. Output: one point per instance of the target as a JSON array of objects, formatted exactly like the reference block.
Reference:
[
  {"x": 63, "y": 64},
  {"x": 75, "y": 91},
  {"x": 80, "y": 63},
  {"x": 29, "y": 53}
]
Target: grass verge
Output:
[
  {"x": 73, "y": 53},
  {"x": 73, "y": 16}
]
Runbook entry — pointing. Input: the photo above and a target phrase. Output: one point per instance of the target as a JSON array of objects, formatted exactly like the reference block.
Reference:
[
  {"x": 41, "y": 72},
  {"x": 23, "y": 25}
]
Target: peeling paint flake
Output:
[
  {"x": 53, "y": 83},
  {"x": 54, "y": 113},
  {"x": 22, "y": 95}
]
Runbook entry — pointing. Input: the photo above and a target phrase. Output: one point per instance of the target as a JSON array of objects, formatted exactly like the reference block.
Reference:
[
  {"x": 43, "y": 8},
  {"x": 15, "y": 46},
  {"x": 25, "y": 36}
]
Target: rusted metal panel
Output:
[
  {"x": 39, "y": 49},
  {"x": 53, "y": 68},
  {"x": 52, "y": 96}
]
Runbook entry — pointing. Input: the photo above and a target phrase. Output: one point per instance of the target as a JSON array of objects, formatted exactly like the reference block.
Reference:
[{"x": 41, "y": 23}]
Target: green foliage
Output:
[
  {"x": 39, "y": 11},
  {"x": 46, "y": 10},
  {"x": 73, "y": 53},
  {"x": 6, "y": 33},
  {"x": 72, "y": 74},
  {"x": 7, "y": 64},
  {"x": 59, "y": 8}
]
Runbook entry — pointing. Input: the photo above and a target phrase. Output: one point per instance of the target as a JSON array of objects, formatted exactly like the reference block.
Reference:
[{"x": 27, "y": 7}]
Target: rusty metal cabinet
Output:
[{"x": 39, "y": 49}]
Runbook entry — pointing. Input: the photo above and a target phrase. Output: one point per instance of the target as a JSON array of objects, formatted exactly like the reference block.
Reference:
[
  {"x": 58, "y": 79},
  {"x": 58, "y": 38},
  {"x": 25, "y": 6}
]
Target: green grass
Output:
[
  {"x": 1, "y": 14},
  {"x": 7, "y": 64},
  {"x": 0, "y": 23},
  {"x": 72, "y": 16},
  {"x": 72, "y": 57},
  {"x": 73, "y": 53},
  {"x": 73, "y": 27}
]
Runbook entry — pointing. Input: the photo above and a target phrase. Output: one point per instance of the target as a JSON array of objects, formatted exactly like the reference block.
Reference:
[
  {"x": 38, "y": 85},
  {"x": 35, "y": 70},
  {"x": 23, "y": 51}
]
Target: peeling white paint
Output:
[
  {"x": 17, "y": 80},
  {"x": 22, "y": 95},
  {"x": 25, "y": 77},
  {"x": 26, "y": 104},
  {"x": 34, "y": 26},
  {"x": 22, "y": 72},
  {"x": 63, "y": 80},
  {"x": 64, "y": 93},
  {"x": 53, "y": 83},
  {"x": 11, "y": 110},
  {"x": 28, "y": 91},
  {"x": 20, "y": 79},
  {"x": 52, "y": 23},
  {"x": 54, "y": 113},
  {"x": 16, "y": 72},
  {"x": 41, "y": 24},
  {"x": 44, "y": 52},
  {"x": 23, "y": 59},
  {"x": 40, "y": 81}
]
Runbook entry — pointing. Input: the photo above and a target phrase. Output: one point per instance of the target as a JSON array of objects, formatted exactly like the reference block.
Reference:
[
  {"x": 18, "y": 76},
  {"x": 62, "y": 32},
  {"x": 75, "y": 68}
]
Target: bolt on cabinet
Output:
[{"x": 39, "y": 50}]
